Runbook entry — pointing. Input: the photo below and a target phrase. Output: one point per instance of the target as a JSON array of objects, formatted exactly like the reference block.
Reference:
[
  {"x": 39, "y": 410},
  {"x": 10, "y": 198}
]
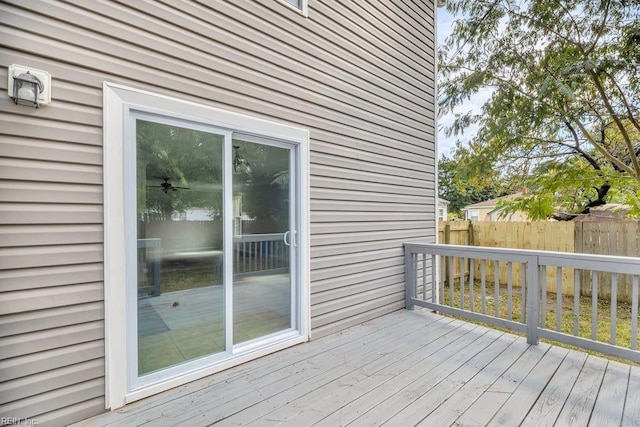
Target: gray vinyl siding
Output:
[{"x": 358, "y": 75}]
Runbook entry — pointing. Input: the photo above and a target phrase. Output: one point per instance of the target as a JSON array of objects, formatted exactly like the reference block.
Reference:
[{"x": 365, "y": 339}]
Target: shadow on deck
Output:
[{"x": 405, "y": 368}]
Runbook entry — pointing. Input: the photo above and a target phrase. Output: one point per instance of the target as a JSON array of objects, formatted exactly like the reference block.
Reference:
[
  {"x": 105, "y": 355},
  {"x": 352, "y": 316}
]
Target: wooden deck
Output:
[{"x": 406, "y": 368}]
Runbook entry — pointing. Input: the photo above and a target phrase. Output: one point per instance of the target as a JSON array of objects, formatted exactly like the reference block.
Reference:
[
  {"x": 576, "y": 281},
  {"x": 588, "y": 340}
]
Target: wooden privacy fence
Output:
[{"x": 621, "y": 238}]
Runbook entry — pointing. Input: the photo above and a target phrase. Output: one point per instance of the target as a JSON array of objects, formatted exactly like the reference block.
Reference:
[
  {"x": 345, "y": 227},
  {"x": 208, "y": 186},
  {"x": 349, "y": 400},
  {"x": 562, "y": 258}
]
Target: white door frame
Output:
[{"x": 118, "y": 102}]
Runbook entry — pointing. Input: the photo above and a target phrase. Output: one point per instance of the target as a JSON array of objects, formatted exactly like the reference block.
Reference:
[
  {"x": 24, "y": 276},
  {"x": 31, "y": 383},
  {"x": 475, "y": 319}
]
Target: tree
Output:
[
  {"x": 564, "y": 115},
  {"x": 189, "y": 160},
  {"x": 461, "y": 188},
  {"x": 180, "y": 169},
  {"x": 263, "y": 183}
]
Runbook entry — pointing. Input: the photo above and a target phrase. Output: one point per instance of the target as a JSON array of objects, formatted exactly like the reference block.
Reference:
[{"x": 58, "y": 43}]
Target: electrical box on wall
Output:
[{"x": 44, "y": 78}]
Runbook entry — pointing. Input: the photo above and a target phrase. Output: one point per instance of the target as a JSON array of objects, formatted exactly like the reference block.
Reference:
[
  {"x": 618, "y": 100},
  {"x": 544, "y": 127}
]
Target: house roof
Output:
[
  {"x": 492, "y": 203},
  {"x": 442, "y": 201}
]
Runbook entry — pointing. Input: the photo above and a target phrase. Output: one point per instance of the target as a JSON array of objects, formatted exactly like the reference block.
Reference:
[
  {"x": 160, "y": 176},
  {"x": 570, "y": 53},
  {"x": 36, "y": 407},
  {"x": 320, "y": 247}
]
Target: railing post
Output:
[
  {"x": 533, "y": 299},
  {"x": 156, "y": 266},
  {"x": 409, "y": 278}
]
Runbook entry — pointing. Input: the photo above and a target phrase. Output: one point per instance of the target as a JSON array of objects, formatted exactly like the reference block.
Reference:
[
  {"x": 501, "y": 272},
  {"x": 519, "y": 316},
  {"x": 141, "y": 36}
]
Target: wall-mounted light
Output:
[{"x": 28, "y": 86}]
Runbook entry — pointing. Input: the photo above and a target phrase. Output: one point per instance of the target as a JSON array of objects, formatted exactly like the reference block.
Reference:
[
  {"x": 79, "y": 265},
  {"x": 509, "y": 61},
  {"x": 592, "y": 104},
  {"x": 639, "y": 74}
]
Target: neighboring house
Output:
[
  {"x": 320, "y": 114},
  {"x": 489, "y": 210},
  {"x": 443, "y": 208}
]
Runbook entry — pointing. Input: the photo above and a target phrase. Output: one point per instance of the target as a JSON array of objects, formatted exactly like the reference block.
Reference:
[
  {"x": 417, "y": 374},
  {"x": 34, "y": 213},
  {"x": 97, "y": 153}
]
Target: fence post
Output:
[
  {"x": 533, "y": 299},
  {"x": 409, "y": 278}
]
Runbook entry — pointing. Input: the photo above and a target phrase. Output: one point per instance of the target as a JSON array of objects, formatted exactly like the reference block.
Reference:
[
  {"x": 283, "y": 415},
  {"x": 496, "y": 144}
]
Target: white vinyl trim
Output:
[
  {"x": 303, "y": 8},
  {"x": 118, "y": 101},
  {"x": 227, "y": 171}
]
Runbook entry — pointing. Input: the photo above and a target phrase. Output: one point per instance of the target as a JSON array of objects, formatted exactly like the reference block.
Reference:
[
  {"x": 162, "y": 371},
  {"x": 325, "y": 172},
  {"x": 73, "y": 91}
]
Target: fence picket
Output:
[{"x": 600, "y": 237}]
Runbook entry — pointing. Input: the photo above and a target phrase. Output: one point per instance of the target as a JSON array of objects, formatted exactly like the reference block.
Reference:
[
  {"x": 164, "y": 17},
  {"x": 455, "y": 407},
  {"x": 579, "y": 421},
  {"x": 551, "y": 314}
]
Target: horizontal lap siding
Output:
[
  {"x": 358, "y": 75},
  {"x": 369, "y": 196}
]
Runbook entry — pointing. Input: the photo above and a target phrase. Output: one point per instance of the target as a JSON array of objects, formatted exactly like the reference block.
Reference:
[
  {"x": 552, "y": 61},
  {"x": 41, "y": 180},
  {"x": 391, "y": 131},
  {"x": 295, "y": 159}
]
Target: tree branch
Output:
[
  {"x": 600, "y": 29},
  {"x": 630, "y": 115},
  {"x": 604, "y": 152},
  {"x": 616, "y": 119}
]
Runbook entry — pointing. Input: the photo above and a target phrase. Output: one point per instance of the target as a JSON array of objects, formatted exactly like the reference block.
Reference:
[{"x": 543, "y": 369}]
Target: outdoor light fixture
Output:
[{"x": 28, "y": 86}]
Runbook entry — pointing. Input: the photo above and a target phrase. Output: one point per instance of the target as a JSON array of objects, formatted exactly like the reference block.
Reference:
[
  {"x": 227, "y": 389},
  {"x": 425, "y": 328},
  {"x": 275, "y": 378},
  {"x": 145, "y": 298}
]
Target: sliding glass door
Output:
[
  {"x": 212, "y": 246},
  {"x": 179, "y": 290},
  {"x": 264, "y": 234}
]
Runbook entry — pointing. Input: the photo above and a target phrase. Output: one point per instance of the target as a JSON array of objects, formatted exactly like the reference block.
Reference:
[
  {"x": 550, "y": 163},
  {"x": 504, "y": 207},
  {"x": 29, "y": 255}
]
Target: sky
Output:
[{"x": 446, "y": 145}]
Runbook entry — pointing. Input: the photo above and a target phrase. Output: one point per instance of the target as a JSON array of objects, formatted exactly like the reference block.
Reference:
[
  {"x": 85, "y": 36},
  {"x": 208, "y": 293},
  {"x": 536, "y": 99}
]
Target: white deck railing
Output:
[
  {"x": 266, "y": 253},
  {"x": 252, "y": 254},
  {"x": 528, "y": 291}
]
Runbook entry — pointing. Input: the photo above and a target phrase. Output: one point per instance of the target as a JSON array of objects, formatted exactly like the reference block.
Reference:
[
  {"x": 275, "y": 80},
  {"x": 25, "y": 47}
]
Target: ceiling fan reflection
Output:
[{"x": 166, "y": 186}]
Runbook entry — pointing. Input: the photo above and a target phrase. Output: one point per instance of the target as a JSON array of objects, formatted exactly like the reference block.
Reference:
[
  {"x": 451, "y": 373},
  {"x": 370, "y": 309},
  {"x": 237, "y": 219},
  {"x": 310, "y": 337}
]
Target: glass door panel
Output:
[
  {"x": 262, "y": 227},
  {"x": 180, "y": 290}
]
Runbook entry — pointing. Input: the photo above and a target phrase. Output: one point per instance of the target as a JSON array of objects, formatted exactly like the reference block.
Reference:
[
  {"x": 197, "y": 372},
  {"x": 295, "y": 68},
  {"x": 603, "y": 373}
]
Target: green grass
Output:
[
  {"x": 603, "y": 329},
  {"x": 188, "y": 277}
]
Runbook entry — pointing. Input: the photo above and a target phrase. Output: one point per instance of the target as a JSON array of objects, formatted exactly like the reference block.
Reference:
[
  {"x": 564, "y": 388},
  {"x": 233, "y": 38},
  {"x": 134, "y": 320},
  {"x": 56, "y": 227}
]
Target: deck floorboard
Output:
[
  {"x": 611, "y": 397},
  {"x": 406, "y": 368},
  {"x": 579, "y": 405}
]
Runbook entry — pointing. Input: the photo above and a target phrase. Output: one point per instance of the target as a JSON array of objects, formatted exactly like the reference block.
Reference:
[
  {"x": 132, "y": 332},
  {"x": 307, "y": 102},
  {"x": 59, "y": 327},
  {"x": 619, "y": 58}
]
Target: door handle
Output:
[{"x": 288, "y": 234}]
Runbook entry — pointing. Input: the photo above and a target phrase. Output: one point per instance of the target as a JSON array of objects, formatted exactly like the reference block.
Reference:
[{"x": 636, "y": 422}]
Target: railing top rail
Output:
[
  {"x": 258, "y": 237},
  {"x": 609, "y": 263},
  {"x": 480, "y": 252},
  {"x": 615, "y": 264}
]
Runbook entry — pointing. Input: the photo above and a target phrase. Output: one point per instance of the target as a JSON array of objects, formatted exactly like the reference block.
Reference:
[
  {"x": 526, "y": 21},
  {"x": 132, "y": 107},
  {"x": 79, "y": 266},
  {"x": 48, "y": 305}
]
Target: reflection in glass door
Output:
[
  {"x": 262, "y": 241},
  {"x": 179, "y": 199},
  {"x": 205, "y": 286}
]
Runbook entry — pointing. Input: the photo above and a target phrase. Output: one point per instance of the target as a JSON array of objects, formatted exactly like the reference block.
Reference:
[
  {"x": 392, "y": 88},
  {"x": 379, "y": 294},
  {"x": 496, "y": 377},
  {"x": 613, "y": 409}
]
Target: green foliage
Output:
[
  {"x": 264, "y": 184},
  {"x": 187, "y": 158},
  {"x": 461, "y": 185},
  {"x": 565, "y": 100},
  {"x": 191, "y": 161}
]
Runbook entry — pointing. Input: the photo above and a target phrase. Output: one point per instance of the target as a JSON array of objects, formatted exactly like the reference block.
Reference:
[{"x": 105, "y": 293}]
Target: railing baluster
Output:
[
  {"x": 576, "y": 302},
  {"x": 443, "y": 277},
  {"x": 543, "y": 302},
  {"x": 634, "y": 313},
  {"x": 254, "y": 253},
  {"x": 434, "y": 278},
  {"x": 424, "y": 276},
  {"x": 472, "y": 267},
  {"x": 281, "y": 254},
  {"x": 236, "y": 265},
  {"x": 483, "y": 282},
  {"x": 594, "y": 304},
  {"x": 614, "y": 307},
  {"x": 558, "y": 299},
  {"x": 451, "y": 280},
  {"x": 509, "y": 290},
  {"x": 463, "y": 263},
  {"x": 415, "y": 275},
  {"x": 496, "y": 287},
  {"x": 274, "y": 255},
  {"x": 523, "y": 309},
  {"x": 244, "y": 257}
]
